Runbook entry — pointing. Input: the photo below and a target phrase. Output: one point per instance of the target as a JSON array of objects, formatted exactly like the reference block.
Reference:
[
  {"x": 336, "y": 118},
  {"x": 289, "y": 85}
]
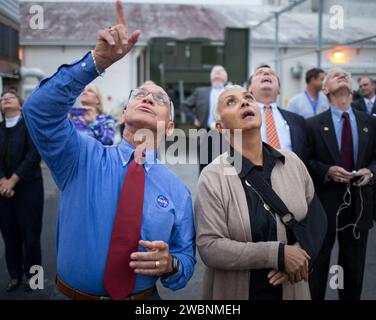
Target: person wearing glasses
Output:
[
  {"x": 125, "y": 220},
  {"x": 21, "y": 194}
]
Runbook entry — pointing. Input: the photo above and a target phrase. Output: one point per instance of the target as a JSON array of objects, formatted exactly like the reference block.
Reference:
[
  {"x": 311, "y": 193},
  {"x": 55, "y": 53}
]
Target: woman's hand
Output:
[
  {"x": 6, "y": 188},
  {"x": 278, "y": 277},
  {"x": 296, "y": 263}
]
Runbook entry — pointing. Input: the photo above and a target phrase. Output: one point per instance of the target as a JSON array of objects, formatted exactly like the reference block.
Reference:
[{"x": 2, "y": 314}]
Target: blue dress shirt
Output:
[
  {"x": 302, "y": 104},
  {"x": 338, "y": 124},
  {"x": 283, "y": 129},
  {"x": 90, "y": 177}
]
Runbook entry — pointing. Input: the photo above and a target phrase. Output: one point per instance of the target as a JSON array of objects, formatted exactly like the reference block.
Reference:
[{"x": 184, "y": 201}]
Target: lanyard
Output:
[{"x": 313, "y": 103}]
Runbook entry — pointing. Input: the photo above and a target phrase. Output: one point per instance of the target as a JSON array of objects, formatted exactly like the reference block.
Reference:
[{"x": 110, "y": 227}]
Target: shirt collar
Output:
[
  {"x": 248, "y": 165},
  {"x": 11, "y": 122},
  {"x": 337, "y": 113},
  {"x": 262, "y": 105},
  {"x": 372, "y": 99},
  {"x": 218, "y": 88},
  {"x": 126, "y": 151}
]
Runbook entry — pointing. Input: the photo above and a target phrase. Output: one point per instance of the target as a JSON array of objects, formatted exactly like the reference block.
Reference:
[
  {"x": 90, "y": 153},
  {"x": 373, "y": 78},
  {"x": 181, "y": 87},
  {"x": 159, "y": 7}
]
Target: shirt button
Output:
[{"x": 83, "y": 65}]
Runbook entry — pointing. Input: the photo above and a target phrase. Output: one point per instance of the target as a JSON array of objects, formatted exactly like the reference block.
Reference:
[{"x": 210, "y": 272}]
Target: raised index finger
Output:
[{"x": 120, "y": 18}]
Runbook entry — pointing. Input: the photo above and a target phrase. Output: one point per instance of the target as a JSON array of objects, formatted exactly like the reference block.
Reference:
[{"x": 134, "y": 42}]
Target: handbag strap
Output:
[{"x": 269, "y": 196}]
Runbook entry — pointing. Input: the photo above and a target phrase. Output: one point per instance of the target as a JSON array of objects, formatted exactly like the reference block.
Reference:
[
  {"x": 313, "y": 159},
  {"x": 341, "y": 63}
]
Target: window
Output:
[{"x": 9, "y": 43}]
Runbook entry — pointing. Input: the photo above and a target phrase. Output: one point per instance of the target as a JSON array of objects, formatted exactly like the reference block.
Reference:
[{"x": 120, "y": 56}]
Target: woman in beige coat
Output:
[{"x": 247, "y": 250}]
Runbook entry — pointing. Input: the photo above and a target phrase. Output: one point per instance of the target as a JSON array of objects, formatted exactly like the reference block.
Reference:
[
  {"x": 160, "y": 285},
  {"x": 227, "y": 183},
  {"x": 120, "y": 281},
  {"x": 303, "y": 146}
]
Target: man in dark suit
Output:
[
  {"x": 280, "y": 128},
  {"x": 367, "y": 102},
  {"x": 342, "y": 148},
  {"x": 200, "y": 108}
]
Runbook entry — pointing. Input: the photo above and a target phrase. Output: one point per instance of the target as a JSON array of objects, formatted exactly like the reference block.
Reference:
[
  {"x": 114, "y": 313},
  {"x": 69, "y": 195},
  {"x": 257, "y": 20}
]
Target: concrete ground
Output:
[{"x": 189, "y": 174}]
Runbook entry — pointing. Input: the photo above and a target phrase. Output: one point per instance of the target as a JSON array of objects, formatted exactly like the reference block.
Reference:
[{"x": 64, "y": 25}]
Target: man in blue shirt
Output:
[
  {"x": 342, "y": 149},
  {"x": 90, "y": 177},
  {"x": 311, "y": 101}
]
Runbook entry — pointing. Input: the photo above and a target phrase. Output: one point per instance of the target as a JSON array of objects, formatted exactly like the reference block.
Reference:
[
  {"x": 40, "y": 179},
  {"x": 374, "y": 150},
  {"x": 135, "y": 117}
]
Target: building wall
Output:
[
  {"x": 122, "y": 77},
  {"x": 115, "y": 85}
]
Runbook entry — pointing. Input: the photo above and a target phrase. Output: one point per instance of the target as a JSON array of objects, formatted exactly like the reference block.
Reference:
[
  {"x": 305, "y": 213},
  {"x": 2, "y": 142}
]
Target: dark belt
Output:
[{"x": 79, "y": 295}]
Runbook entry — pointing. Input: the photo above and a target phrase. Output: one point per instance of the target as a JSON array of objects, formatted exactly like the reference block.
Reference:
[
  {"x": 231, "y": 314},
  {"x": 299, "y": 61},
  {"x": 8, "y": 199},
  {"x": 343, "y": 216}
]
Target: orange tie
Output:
[{"x": 271, "y": 130}]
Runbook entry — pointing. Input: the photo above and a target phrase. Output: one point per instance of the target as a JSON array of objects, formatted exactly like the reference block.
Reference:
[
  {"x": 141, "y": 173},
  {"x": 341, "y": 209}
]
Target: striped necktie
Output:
[{"x": 271, "y": 130}]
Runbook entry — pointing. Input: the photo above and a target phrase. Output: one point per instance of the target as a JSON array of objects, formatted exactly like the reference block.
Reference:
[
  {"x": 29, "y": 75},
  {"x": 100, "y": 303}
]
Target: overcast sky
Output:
[{"x": 245, "y": 2}]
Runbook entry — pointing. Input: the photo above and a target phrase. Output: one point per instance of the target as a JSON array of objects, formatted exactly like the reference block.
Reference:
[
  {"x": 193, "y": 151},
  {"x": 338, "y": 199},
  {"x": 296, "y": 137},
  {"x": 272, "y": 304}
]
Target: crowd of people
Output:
[{"x": 265, "y": 232}]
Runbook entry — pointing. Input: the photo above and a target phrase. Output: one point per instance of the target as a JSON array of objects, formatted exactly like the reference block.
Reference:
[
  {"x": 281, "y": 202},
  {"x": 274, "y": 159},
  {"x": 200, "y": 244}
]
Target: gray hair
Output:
[
  {"x": 219, "y": 68},
  {"x": 217, "y": 116},
  {"x": 330, "y": 73}
]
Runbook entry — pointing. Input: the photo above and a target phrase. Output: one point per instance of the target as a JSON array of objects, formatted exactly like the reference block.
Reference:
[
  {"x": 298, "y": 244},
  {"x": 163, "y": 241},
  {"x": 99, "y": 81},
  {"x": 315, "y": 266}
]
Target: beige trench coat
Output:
[{"x": 223, "y": 227}]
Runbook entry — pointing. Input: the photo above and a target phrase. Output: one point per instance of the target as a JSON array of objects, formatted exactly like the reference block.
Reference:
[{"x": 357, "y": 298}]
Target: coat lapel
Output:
[
  {"x": 291, "y": 124},
  {"x": 207, "y": 104},
  {"x": 329, "y": 136},
  {"x": 374, "y": 109},
  {"x": 363, "y": 132}
]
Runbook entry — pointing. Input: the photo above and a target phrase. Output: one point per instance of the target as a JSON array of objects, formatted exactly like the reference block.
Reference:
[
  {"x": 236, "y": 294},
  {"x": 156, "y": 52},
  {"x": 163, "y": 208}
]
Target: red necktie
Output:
[
  {"x": 347, "y": 151},
  {"x": 119, "y": 279},
  {"x": 271, "y": 131}
]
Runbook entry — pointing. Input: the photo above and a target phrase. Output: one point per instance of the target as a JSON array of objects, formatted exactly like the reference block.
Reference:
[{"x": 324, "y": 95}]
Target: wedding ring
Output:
[{"x": 157, "y": 264}]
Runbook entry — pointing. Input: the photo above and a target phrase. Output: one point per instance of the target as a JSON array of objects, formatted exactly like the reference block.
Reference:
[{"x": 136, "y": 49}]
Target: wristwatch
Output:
[{"x": 175, "y": 267}]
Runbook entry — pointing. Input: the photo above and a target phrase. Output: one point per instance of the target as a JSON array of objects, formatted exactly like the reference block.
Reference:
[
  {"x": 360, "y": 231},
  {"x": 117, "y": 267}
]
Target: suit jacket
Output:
[
  {"x": 360, "y": 105},
  {"x": 324, "y": 153},
  {"x": 21, "y": 154},
  {"x": 298, "y": 133},
  {"x": 224, "y": 237},
  {"x": 197, "y": 105}
]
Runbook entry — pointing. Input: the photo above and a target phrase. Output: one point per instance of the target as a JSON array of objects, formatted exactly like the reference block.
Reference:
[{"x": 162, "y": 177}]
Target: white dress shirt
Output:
[{"x": 283, "y": 129}]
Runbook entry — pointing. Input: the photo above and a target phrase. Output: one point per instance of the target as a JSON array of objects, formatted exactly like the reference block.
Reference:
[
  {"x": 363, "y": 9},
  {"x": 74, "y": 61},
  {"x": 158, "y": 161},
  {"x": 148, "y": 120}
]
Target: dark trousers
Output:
[
  {"x": 351, "y": 257},
  {"x": 374, "y": 201},
  {"x": 20, "y": 226}
]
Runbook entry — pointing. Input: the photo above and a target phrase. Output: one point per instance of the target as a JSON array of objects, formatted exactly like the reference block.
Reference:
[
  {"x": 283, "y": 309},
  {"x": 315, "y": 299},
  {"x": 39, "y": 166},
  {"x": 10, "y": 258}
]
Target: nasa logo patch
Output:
[{"x": 162, "y": 201}]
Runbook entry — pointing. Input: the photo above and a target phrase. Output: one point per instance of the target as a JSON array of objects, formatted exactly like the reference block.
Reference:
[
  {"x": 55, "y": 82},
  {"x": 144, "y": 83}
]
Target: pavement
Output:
[{"x": 193, "y": 290}]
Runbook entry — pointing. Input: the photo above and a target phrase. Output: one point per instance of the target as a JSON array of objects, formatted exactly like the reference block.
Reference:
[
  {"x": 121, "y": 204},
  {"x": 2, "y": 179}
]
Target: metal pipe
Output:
[
  {"x": 319, "y": 38},
  {"x": 250, "y": 49},
  {"x": 289, "y": 7},
  {"x": 277, "y": 45}
]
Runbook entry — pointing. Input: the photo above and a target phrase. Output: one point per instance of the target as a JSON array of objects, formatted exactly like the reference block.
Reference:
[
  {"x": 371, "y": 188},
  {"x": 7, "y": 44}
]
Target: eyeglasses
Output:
[
  {"x": 159, "y": 97},
  {"x": 7, "y": 99}
]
